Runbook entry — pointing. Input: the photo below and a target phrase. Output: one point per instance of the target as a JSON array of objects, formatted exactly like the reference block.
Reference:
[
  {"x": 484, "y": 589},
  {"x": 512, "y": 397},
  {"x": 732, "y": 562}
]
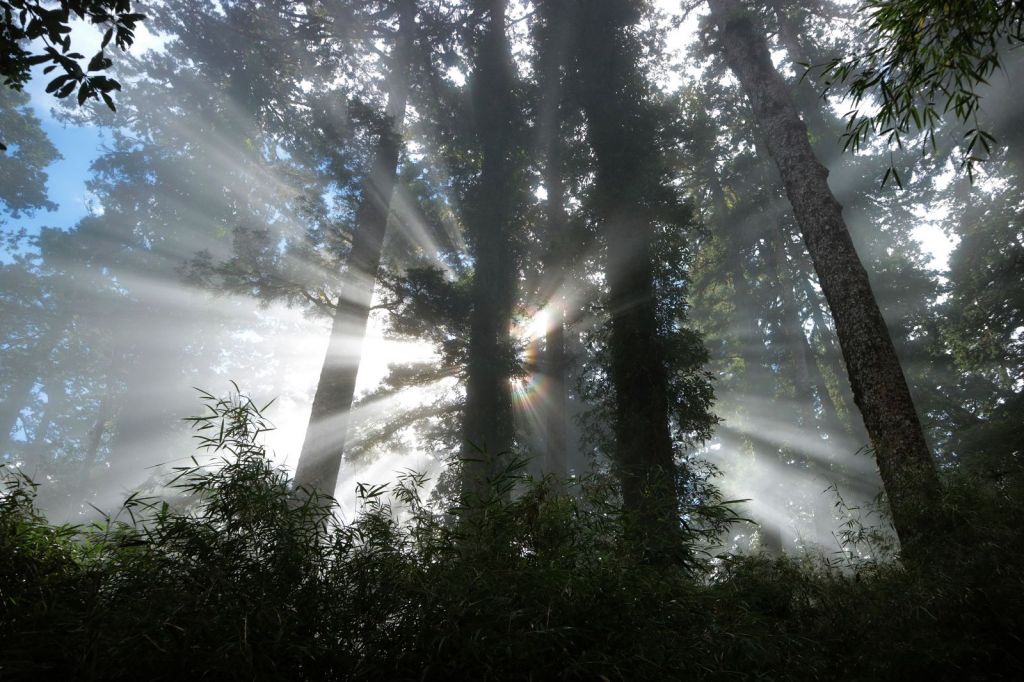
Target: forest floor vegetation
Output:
[{"x": 240, "y": 576}]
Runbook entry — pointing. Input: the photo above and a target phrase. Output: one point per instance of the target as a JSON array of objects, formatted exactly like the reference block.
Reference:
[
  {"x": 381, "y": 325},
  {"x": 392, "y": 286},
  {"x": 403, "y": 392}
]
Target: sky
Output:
[{"x": 78, "y": 145}]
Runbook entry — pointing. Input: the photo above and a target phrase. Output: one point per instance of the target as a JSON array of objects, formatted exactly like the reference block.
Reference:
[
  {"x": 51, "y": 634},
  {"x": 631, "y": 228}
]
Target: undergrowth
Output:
[{"x": 243, "y": 577}]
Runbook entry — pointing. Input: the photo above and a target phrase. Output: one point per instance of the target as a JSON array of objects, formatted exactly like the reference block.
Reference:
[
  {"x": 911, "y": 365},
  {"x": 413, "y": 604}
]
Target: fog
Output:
[{"x": 207, "y": 243}]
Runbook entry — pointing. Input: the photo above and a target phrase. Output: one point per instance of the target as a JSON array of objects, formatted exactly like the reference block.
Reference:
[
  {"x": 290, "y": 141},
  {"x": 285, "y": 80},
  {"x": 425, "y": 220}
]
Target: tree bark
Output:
[
  {"x": 324, "y": 445},
  {"x": 622, "y": 135},
  {"x": 487, "y": 421},
  {"x": 879, "y": 387}
]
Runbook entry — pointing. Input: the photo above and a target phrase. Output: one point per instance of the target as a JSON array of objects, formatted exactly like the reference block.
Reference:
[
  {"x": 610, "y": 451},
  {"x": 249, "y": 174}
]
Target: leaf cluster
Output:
[
  {"x": 23, "y": 21},
  {"x": 922, "y": 61}
]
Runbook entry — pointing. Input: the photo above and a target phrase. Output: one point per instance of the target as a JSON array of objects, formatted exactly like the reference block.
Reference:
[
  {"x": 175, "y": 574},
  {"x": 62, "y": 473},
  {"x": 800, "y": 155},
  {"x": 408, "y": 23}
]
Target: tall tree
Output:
[
  {"x": 492, "y": 207},
  {"x": 622, "y": 130},
  {"x": 879, "y": 387},
  {"x": 554, "y": 46},
  {"x": 324, "y": 444}
]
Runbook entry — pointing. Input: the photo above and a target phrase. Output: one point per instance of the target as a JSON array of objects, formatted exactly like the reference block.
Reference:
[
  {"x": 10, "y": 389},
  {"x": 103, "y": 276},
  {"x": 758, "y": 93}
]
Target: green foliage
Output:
[
  {"x": 244, "y": 578},
  {"x": 424, "y": 304},
  {"x": 923, "y": 60}
]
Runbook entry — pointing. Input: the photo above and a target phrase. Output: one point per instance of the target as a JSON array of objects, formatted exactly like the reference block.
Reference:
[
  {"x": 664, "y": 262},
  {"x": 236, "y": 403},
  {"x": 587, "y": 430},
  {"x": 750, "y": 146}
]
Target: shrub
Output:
[{"x": 244, "y": 577}]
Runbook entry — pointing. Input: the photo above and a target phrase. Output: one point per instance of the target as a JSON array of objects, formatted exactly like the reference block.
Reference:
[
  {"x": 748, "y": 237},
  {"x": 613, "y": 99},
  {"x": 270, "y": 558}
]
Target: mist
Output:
[{"x": 507, "y": 247}]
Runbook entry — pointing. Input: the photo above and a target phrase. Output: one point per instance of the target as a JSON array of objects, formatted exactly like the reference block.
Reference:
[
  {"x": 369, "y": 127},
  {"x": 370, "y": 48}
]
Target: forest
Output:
[{"x": 511, "y": 340}]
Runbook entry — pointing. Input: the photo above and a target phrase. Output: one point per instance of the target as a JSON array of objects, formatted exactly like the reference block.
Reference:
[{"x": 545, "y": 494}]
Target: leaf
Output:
[
  {"x": 57, "y": 82},
  {"x": 99, "y": 62}
]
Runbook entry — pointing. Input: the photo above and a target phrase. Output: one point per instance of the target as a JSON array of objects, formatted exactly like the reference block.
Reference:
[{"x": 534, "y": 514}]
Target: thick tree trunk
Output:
[
  {"x": 556, "y": 443},
  {"x": 487, "y": 422},
  {"x": 879, "y": 387},
  {"x": 324, "y": 444},
  {"x": 621, "y": 133}
]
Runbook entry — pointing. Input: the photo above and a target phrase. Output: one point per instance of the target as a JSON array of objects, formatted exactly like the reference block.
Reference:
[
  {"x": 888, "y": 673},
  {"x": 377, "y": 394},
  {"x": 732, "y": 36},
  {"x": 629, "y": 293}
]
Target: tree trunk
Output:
[
  {"x": 324, "y": 444},
  {"x": 99, "y": 427},
  {"x": 879, "y": 387},
  {"x": 622, "y": 135},
  {"x": 554, "y": 59},
  {"x": 487, "y": 422}
]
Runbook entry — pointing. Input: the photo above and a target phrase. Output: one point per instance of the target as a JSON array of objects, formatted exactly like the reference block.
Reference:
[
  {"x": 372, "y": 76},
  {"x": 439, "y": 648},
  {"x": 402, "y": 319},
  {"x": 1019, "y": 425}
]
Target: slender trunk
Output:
[
  {"x": 622, "y": 135},
  {"x": 824, "y": 133},
  {"x": 879, "y": 387},
  {"x": 756, "y": 379},
  {"x": 791, "y": 328},
  {"x": 18, "y": 395},
  {"x": 830, "y": 359},
  {"x": 487, "y": 423},
  {"x": 324, "y": 444},
  {"x": 834, "y": 407},
  {"x": 99, "y": 427}
]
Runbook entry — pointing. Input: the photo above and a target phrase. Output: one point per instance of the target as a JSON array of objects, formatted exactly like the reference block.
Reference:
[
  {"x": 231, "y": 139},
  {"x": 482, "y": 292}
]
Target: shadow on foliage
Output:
[{"x": 243, "y": 577}]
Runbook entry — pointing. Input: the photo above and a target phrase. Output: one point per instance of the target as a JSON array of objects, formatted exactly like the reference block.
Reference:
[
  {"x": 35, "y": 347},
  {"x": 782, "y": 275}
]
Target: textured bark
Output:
[
  {"x": 622, "y": 136},
  {"x": 324, "y": 445},
  {"x": 487, "y": 422},
  {"x": 879, "y": 387}
]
